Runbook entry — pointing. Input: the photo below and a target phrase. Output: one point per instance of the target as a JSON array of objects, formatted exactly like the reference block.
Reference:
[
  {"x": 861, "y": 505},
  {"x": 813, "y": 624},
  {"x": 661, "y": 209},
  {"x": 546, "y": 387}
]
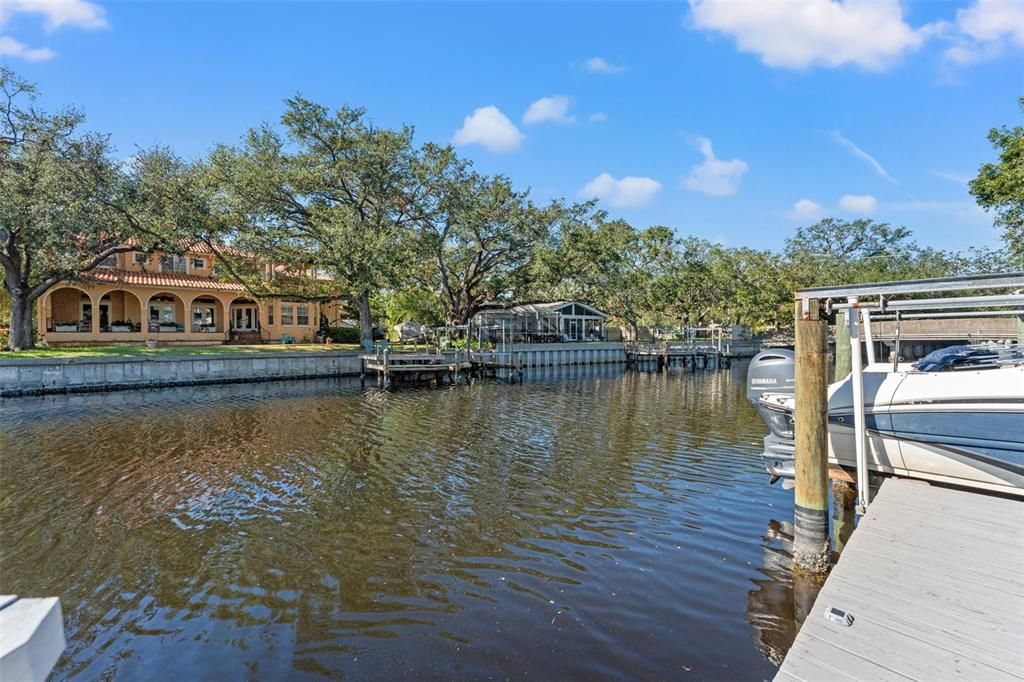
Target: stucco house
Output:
[{"x": 135, "y": 296}]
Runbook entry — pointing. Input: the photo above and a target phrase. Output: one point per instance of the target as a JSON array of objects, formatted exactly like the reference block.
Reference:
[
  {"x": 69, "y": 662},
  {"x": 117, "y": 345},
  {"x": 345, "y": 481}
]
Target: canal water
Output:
[{"x": 585, "y": 524}]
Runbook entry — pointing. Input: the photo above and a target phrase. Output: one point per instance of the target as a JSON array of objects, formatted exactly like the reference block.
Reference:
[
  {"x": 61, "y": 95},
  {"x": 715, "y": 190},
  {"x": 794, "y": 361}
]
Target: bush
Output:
[{"x": 343, "y": 334}]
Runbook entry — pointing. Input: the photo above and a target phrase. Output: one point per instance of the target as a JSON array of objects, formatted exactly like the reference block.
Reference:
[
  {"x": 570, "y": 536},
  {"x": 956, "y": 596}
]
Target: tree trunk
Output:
[
  {"x": 22, "y": 337},
  {"x": 365, "y": 320}
]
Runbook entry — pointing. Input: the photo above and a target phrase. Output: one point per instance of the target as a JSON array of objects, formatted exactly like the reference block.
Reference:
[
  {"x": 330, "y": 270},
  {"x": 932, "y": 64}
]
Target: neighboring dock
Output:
[
  {"x": 414, "y": 367},
  {"x": 934, "y": 581},
  {"x": 681, "y": 354}
]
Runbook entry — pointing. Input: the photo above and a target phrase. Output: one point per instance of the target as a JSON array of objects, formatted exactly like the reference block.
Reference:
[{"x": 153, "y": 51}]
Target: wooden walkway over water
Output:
[
  {"x": 934, "y": 580},
  {"x": 685, "y": 354}
]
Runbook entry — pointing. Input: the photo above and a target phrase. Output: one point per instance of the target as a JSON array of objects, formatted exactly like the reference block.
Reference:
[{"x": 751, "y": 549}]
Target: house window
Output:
[
  {"x": 270, "y": 312},
  {"x": 161, "y": 313},
  {"x": 198, "y": 263},
  {"x": 140, "y": 258},
  {"x": 172, "y": 264},
  {"x": 302, "y": 313},
  {"x": 108, "y": 262},
  {"x": 287, "y": 312},
  {"x": 202, "y": 316}
]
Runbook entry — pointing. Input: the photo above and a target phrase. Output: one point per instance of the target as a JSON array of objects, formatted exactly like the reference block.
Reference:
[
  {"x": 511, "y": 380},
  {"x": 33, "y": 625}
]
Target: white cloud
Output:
[
  {"x": 9, "y": 47},
  {"x": 985, "y": 29},
  {"x": 858, "y": 203},
  {"x": 57, "y": 13},
  {"x": 805, "y": 33},
  {"x": 805, "y": 209},
  {"x": 715, "y": 177},
  {"x": 988, "y": 20},
  {"x": 629, "y": 191},
  {"x": 490, "y": 129},
  {"x": 597, "y": 116},
  {"x": 599, "y": 65},
  {"x": 555, "y": 109},
  {"x": 863, "y": 156}
]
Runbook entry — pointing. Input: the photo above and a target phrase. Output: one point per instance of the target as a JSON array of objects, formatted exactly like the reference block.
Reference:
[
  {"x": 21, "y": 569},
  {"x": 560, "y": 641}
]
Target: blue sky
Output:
[{"x": 731, "y": 121}]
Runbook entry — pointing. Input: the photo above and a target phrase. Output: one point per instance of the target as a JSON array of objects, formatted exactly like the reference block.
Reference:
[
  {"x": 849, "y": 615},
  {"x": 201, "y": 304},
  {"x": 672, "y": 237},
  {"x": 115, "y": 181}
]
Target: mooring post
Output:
[
  {"x": 811, "y": 542},
  {"x": 842, "y": 346}
]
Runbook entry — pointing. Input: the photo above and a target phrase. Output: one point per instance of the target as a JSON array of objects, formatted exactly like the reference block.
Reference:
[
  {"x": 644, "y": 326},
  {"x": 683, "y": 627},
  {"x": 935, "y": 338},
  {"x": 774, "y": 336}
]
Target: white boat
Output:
[{"x": 955, "y": 418}]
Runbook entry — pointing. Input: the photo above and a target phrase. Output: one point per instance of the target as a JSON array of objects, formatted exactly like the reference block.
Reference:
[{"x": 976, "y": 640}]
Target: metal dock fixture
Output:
[{"x": 929, "y": 587}]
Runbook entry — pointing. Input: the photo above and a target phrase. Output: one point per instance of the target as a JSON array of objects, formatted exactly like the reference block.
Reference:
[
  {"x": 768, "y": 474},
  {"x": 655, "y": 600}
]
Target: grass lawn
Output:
[{"x": 143, "y": 351}]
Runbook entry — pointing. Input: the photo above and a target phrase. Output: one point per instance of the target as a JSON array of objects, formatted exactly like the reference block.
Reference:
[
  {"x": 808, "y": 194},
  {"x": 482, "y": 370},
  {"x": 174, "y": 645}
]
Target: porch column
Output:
[
  {"x": 144, "y": 314},
  {"x": 94, "y": 322},
  {"x": 187, "y": 322},
  {"x": 42, "y": 314}
]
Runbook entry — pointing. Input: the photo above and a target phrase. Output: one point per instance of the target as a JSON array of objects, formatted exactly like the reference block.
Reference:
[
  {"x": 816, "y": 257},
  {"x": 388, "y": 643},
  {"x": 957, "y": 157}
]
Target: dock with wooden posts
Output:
[
  {"x": 932, "y": 580},
  {"x": 931, "y": 584},
  {"x": 391, "y": 368},
  {"x": 681, "y": 354}
]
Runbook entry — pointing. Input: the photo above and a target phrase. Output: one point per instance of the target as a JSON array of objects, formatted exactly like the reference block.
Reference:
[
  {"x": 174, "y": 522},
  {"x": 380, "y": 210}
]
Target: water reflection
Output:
[
  {"x": 782, "y": 599},
  {"x": 586, "y": 523}
]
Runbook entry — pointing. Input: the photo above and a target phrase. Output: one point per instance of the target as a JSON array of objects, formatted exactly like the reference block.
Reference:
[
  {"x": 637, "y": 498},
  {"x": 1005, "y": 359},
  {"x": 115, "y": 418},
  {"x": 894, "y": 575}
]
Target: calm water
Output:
[{"x": 585, "y": 525}]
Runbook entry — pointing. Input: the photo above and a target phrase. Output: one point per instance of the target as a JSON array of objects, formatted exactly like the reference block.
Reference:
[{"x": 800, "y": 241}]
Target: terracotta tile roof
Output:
[
  {"x": 170, "y": 280},
  {"x": 201, "y": 248}
]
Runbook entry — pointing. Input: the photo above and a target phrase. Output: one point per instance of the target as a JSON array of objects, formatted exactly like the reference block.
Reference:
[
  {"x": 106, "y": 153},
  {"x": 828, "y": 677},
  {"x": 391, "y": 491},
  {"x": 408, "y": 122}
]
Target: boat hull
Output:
[{"x": 964, "y": 428}]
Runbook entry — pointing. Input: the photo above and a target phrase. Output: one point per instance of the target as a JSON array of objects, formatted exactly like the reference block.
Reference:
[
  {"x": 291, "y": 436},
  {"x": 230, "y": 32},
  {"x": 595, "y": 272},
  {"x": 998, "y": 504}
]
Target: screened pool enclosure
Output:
[{"x": 556, "y": 322}]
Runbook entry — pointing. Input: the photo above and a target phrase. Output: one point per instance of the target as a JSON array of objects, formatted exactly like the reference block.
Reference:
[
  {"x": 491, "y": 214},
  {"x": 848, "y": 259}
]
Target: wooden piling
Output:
[
  {"x": 843, "y": 358},
  {"x": 811, "y": 542}
]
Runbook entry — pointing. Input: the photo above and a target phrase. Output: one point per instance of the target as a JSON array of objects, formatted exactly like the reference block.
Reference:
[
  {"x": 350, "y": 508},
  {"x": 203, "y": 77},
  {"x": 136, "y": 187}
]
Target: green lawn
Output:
[{"x": 143, "y": 351}]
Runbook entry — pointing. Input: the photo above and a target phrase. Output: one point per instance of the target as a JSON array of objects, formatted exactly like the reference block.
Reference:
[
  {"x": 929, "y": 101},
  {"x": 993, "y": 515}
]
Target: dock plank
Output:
[{"x": 934, "y": 579}]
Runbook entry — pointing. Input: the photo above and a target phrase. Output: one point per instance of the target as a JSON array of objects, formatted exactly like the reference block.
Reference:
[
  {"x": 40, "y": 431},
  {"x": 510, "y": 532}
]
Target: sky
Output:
[{"x": 732, "y": 121}]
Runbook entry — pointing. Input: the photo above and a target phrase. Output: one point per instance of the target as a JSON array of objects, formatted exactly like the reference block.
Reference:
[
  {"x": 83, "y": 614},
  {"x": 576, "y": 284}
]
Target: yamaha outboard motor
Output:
[
  {"x": 771, "y": 371},
  {"x": 774, "y": 371}
]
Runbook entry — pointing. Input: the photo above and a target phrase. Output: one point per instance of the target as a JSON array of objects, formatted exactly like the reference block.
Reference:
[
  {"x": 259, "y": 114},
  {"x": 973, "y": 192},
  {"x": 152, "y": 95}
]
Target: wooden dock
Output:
[
  {"x": 684, "y": 354},
  {"x": 413, "y": 367},
  {"x": 934, "y": 581}
]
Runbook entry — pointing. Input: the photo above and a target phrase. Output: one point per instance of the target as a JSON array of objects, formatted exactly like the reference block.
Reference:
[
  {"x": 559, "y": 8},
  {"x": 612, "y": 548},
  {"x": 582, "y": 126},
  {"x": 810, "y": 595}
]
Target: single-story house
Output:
[{"x": 556, "y": 321}]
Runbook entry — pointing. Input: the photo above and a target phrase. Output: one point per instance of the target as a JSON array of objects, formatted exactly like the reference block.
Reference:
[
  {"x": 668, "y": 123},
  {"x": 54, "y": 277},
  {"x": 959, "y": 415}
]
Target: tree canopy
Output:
[
  {"x": 999, "y": 187},
  {"x": 67, "y": 203},
  {"x": 324, "y": 204}
]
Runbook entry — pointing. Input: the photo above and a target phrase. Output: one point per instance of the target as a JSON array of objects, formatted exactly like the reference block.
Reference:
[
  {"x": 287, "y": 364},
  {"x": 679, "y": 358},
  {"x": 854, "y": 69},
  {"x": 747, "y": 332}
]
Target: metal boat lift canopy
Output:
[{"x": 850, "y": 298}]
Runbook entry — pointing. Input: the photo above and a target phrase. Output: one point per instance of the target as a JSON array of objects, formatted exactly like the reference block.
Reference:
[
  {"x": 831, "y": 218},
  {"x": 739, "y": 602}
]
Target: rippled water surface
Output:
[{"x": 588, "y": 524}]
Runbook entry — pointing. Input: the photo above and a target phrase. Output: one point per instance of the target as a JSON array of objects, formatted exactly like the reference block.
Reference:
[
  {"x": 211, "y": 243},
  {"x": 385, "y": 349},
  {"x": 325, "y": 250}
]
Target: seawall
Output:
[{"x": 80, "y": 375}]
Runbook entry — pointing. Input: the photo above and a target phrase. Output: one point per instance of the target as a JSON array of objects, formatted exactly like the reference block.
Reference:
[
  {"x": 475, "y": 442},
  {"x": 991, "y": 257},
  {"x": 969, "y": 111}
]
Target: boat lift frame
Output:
[{"x": 850, "y": 298}]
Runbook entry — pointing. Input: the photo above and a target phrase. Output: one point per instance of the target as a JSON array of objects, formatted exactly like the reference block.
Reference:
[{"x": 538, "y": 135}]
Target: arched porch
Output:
[
  {"x": 120, "y": 311},
  {"x": 165, "y": 313},
  {"x": 207, "y": 316},
  {"x": 68, "y": 309}
]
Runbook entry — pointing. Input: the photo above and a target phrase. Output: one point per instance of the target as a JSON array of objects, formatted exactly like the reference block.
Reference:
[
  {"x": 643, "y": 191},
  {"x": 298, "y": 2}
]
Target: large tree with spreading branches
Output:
[{"x": 67, "y": 203}]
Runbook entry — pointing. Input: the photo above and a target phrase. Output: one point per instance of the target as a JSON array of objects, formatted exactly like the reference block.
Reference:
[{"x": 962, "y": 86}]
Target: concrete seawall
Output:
[
  {"x": 554, "y": 354},
  {"x": 80, "y": 375}
]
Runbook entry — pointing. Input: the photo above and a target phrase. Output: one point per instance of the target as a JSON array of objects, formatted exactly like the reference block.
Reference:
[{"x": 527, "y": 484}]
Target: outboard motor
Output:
[
  {"x": 771, "y": 371},
  {"x": 774, "y": 371}
]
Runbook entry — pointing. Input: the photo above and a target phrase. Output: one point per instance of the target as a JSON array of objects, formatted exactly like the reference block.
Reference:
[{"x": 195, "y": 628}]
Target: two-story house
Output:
[{"x": 135, "y": 296}]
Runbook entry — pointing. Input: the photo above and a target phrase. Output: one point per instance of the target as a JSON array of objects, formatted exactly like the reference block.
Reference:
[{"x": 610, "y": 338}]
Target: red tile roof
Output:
[{"x": 170, "y": 280}]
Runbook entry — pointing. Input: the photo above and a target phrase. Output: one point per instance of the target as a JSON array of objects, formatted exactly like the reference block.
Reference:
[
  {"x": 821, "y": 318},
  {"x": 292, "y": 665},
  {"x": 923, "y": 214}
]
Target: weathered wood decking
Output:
[{"x": 934, "y": 579}]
